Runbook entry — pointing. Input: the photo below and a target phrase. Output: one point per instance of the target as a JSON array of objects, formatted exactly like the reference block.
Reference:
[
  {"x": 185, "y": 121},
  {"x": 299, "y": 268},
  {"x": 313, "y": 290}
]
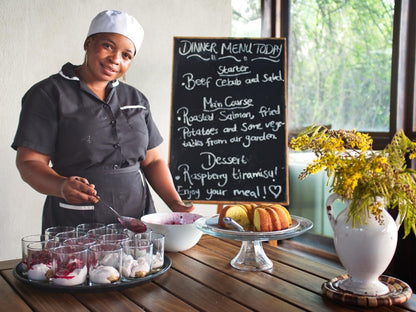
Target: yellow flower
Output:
[{"x": 357, "y": 172}]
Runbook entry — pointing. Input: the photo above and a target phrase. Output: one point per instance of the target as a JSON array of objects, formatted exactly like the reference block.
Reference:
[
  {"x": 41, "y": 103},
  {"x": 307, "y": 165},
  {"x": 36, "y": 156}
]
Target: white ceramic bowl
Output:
[{"x": 178, "y": 228}]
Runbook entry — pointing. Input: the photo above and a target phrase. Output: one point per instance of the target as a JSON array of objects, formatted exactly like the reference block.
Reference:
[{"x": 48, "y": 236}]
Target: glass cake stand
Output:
[{"x": 251, "y": 256}]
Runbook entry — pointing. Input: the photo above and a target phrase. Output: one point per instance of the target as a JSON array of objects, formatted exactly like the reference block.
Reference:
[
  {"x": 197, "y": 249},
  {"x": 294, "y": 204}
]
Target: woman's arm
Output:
[
  {"x": 157, "y": 173},
  {"x": 35, "y": 170}
]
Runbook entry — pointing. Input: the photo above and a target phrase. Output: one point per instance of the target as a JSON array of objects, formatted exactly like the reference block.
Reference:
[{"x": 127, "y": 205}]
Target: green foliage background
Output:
[{"x": 340, "y": 63}]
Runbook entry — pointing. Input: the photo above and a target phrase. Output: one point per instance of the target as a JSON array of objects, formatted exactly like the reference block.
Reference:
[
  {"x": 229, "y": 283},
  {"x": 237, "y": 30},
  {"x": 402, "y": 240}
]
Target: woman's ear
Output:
[{"x": 87, "y": 42}]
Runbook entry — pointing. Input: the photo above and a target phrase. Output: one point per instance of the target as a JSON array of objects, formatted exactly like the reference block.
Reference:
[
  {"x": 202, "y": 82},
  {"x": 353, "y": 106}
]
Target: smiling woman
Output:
[
  {"x": 37, "y": 40},
  {"x": 97, "y": 132}
]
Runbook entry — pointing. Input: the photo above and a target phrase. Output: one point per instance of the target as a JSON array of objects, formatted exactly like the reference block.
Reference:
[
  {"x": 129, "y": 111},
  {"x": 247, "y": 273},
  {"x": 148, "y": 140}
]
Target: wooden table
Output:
[{"x": 200, "y": 279}]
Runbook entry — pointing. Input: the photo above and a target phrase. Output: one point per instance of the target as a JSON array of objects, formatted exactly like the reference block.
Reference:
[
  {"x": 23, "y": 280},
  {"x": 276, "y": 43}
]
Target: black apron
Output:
[{"x": 125, "y": 189}]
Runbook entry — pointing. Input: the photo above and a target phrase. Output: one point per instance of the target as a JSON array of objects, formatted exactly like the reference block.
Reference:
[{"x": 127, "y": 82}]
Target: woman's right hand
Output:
[
  {"x": 77, "y": 190},
  {"x": 35, "y": 170}
]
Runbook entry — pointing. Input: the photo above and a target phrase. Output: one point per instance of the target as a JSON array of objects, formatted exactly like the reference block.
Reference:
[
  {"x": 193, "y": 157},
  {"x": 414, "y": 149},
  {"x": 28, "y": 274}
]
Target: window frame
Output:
[{"x": 275, "y": 23}]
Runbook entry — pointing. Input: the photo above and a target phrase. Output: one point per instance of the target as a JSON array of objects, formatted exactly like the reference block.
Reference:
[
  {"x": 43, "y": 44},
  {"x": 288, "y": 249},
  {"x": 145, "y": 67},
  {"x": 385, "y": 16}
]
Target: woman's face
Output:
[{"x": 109, "y": 55}]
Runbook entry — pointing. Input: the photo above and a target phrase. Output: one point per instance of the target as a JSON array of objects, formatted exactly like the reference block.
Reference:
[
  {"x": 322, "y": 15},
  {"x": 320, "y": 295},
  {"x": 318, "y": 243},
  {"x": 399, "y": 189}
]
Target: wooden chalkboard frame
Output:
[{"x": 200, "y": 84}]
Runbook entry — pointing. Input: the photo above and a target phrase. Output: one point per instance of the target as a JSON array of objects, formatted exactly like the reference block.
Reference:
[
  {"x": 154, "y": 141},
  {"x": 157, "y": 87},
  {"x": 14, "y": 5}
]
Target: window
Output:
[
  {"x": 340, "y": 64},
  {"x": 350, "y": 63}
]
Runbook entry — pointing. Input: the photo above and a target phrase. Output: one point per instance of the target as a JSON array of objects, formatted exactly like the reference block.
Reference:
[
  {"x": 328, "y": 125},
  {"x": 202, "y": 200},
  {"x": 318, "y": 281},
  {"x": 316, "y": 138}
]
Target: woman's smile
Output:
[
  {"x": 109, "y": 70},
  {"x": 109, "y": 56}
]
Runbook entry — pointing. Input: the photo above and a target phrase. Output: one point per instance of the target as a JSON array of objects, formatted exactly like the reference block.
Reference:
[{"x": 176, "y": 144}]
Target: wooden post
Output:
[{"x": 273, "y": 243}]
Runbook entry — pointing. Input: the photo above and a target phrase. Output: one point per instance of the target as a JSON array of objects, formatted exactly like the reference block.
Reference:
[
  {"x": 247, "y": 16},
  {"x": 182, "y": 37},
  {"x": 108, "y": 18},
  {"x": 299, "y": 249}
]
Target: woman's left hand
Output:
[
  {"x": 157, "y": 173},
  {"x": 182, "y": 207}
]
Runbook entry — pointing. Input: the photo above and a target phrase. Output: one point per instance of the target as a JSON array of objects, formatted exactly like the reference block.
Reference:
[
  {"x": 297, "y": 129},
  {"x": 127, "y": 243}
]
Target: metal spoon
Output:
[
  {"x": 233, "y": 224},
  {"x": 133, "y": 224}
]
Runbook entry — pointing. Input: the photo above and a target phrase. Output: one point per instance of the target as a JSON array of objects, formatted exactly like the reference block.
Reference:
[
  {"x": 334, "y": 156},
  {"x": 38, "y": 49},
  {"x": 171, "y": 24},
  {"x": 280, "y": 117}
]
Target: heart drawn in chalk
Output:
[{"x": 275, "y": 190}]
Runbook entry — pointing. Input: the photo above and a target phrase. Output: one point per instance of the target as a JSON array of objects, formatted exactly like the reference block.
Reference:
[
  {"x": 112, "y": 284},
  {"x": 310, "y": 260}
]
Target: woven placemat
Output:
[{"x": 399, "y": 293}]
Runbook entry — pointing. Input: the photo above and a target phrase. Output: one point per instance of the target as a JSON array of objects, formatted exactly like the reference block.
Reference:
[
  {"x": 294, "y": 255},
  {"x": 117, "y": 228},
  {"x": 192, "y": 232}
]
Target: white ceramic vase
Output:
[{"x": 364, "y": 250}]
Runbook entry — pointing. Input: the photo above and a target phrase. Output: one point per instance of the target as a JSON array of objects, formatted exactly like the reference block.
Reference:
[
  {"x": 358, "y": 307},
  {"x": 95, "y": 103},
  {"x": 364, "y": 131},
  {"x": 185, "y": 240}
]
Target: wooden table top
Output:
[{"x": 200, "y": 279}]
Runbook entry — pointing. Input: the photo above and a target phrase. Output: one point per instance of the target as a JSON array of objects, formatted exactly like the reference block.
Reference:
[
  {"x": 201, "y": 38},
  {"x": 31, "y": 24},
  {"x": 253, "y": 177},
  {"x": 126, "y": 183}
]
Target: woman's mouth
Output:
[{"x": 109, "y": 70}]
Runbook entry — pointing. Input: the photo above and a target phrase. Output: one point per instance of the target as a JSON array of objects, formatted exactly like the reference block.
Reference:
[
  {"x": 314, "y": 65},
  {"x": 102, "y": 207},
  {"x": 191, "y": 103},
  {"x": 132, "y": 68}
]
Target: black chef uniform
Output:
[{"x": 103, "y": 141}]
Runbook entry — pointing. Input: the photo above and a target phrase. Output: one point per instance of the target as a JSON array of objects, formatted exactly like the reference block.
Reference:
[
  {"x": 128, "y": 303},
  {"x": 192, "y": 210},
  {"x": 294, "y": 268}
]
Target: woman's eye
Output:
[{"x": 127, "y": 56}]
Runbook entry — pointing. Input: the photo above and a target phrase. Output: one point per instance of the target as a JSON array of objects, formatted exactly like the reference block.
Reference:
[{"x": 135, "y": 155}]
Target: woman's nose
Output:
[{"x": 115, "y": 57}]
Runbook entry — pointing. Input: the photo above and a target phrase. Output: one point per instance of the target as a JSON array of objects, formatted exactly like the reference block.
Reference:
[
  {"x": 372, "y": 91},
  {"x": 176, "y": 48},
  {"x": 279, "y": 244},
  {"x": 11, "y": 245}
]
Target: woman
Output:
[{"x": 97, "y": 133}]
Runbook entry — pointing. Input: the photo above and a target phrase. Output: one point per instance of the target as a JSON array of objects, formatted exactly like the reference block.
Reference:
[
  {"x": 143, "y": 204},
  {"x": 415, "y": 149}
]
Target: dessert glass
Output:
[
  {"x": 104, "y": 263},
  {"x": 69, "y": 265},
  {"x": 25, "y": 241},
  {"x": 117, "y": 228},
  {"x": 137, "y": 258},
  {"x": 95, "y": 233},
  {"x": 52, "y": 231},
  {"x": 83, "y": 240},
  {"x": 39, "y": 261},
  {"x": 158, "y": 241},
  {"x": 144, "y": 235},
  {"x": 113, "y": 238},
  {"x": 85, "y": 227},
  {"x": 63, "y": 236}
]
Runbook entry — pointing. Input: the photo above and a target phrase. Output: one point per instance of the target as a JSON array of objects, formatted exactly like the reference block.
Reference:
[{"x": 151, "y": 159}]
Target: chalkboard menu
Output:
[{"x": 228, "y": 133}]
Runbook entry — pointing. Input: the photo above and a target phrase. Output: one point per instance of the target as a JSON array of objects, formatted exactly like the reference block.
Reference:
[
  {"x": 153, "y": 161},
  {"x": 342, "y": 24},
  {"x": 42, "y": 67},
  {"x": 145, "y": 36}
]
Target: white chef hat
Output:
[{"x": 118, "y": 22}]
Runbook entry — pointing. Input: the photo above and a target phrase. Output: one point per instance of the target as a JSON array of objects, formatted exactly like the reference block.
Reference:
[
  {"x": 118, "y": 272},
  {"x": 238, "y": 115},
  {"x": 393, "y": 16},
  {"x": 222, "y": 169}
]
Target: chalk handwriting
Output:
[
  {"x": 229, "y": 103},
  {"x": 228, "y": 115},
  {"x": 210, "y": 160},
  {"x": 239, "y": 174},
  {"x": 192, "y": 143},
  {"x": 225, "y": 115},
  {"x": 228, "y": 82},
  {"x": 215, "y": 192},
  {"x": 191, "y": 47},
  {"x": 188, "y": 193},
  {"x": 212, "y": 142},
  {"x": 189, "y": 120},
  {"x": 273, "y": 77},
  {"x": 264, "y": 137},
  {"x": 231, "y": 71},
  {"x": 274, "y": 125},
  {"x": 190, "y": 82},
  {"x": 188, "y": 132},
  {"x": 268, "y": 111},
  {"x": 187, "y": 176},
  {"x": 208, "y": 51}
]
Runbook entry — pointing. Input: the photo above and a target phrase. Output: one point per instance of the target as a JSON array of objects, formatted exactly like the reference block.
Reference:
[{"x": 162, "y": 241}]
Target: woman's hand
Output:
[
  {"x": 181, "y": 207},
  {"x": 157, "y": 173},
  {"x": 35, "y": 170},
  {"x": 77, "y": 190}
]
